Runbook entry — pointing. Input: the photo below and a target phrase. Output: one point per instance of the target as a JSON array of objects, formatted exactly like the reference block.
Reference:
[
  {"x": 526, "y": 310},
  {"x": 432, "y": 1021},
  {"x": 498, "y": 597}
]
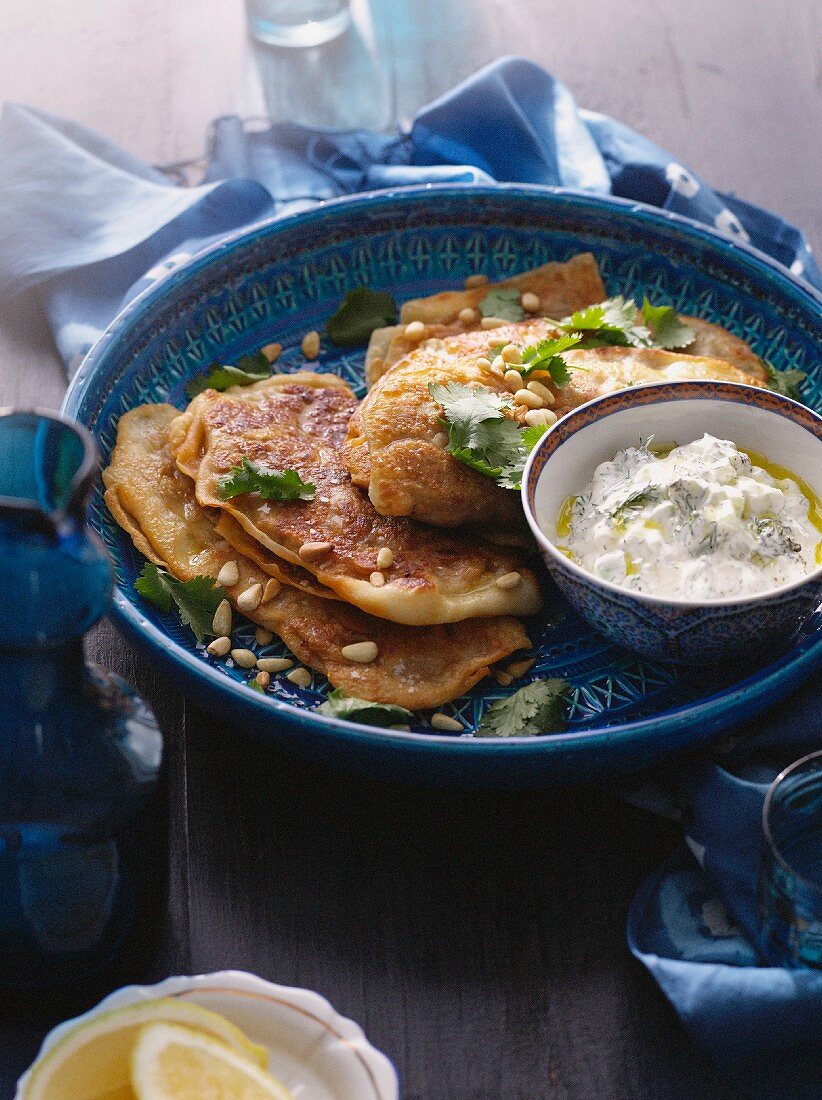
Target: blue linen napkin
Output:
[{"x": 91, "y": 226}]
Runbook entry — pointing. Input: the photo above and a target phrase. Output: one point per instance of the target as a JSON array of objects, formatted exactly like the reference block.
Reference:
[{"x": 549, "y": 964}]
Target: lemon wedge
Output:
[
  {"x": 170, "y": 1062},
  {"x": 93, "y": 1061}
]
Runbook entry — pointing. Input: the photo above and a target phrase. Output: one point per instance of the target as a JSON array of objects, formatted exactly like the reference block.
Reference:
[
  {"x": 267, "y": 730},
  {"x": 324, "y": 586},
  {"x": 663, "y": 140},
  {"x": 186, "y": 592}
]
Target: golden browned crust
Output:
[{"x": 415, "y": 667}]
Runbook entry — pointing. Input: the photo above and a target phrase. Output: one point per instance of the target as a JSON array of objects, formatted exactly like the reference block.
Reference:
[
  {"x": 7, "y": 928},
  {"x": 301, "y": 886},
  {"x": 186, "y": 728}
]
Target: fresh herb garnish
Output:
[
  {"x": 786, "y": 382},
  {"x": 340, "y": 705},
  {"x": 251, "y": 477},
  {"x": 362, "y": 310},
  {"x": 633, "y": 501},
  {"x": 481, "y": 436},
  {"x": 249, "y": 368},
  {"x": 547, "y": 356},
  {"x": 612, "y": 322},
  {"x": 196, "y": 600},
  {"x": 502, "y": 302},
  {"x": 535, "y": 709},
  {"x": 667, "y": 330}
]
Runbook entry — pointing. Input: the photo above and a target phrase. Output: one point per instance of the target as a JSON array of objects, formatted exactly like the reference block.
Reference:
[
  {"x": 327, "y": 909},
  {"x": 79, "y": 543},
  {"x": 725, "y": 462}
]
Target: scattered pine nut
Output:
[
  {"x": 263, "y": 636},
  {"x": 221, "y": 623},
  {"x": 442, "y": 721},
  {"x": 244, "y": 658},
  {"x": 263, "y": 679},
  {"x": 274, "y": 664},
  {"x": 361, "y": 653},
  {"x": 519, "y": 668},
  {"x": 530, "y": 302},
  {"x": 511, "y": 354},
  {"x": 503, "y": 678},
  {"x": 228, "y": 575},
  {"x": 467, "y": 316},
  {"x": 513, "y": 380},
  {"x": 538, "y": 418},
  {"x": 310, "y": 345},
  {"x": 528, "y": 398},
  {"x": 475, "y": 280},
  {"x": 541, "y": 391},
  {"x": 439, "y": 440},
  {"x": 493, "y": 322},
  {"x": 415, "y": 330},
  {"x": 272, "y": 588},
  {"x": 250, "y": 599},
  {"x": 272, "y": 351},
  {"x": 299, "y": 676},
  {"x": 508, "y": 580},
  {"x": 377, "y": 579},
  {"x": 499, "y": 366},
  {"x": 550, "y": 417},
  {"x": 385, "y": 557},
  {"x": 483, "y": 363},
  {"x": 219, "y": 647},
  {"x": 313, "y": 551}
]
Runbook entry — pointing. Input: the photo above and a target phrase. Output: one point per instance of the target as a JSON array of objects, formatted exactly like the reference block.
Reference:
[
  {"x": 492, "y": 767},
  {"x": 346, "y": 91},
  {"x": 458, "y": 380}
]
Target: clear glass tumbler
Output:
[
  {"x": 790, "y": 885},
  {"x": 297, "y": 22}
]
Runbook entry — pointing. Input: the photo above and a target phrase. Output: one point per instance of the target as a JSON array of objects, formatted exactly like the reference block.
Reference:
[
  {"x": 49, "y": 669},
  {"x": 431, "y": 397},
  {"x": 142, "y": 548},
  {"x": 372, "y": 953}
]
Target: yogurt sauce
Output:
[{"x": 699, "y": 521}]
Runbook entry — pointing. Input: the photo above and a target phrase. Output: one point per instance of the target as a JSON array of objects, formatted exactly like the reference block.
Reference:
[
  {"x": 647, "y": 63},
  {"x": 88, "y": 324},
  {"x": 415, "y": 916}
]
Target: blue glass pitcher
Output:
[{"x": 79, "y": 752}]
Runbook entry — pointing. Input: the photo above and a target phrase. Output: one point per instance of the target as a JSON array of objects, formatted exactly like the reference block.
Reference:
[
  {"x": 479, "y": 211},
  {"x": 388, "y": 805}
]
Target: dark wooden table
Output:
[{"x": 478, "y": 937}]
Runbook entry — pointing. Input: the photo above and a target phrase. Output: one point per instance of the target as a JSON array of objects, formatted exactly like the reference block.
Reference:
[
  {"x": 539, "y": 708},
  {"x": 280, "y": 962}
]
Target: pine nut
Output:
[
  {"x": 519, "y": 668},
  {"x": 527, "y": 398},
  {"x": 475, "y": 280},
  {"x": 467, "y": 316},
  {"x": 219, "y": 647},
  {"x": 442, "y": 721},
  {"x": 263, "y": 636},
  {"x": 513, "y": 380},
  {"x": 274, "y": 664},
  {"x": 530, "y": 302},
  {"x": 541, "y": 391},
  {"x": 483, "y": 363},
  {"x": 263, "y": 679},
  {"x": 497, "y": 369},
  {"x": 377, "y": 579},
  {"x": 415, "y": 330},
  {"x": 361, "y": 653},
  {"x": 313, "y": 551},
  {"x": 493, "y": 322},
  {"x": 244, "y": 658},
  {"x": 511, "y": 354},
  {"x": 250, "y": 599},
  {"x": 550, "y": 417},
  {"x": 228, "y": 575},
  {"x": 272, "y": 588},
  {"x": 537, "y": 418},
  {"x": 503, "y": 678},
  {"x": 299, "y": 676},
  {"x": 272, "y": 352},
  {"x": 508, "y": 580},
  {"x": 221, "y": 623},
  {"x": 439, "y": 440},
  {"x": 385, "y": 557},
  {"x": 310, "y": 345}
]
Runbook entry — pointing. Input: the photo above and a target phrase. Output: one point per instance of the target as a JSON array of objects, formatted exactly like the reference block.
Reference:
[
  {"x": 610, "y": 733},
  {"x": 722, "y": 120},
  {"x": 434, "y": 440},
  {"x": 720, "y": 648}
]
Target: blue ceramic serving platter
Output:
[{"x": 284, "y": 277}]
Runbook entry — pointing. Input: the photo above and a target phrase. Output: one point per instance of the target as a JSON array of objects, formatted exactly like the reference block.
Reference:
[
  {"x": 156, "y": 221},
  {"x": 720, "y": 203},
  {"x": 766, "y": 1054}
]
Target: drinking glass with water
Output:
[{"x": 297, "y": 22}]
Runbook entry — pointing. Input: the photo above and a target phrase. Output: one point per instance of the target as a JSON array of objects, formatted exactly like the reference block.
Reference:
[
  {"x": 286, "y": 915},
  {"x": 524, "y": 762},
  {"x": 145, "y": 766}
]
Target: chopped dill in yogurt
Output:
[{"x": 697, "y": 522}]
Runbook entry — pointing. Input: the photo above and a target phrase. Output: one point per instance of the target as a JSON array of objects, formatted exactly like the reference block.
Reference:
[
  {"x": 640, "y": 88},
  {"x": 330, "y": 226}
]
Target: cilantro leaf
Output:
[
  {"x": 667, "y": 330},
  {"x": 249, "y": 368},
  {"x": 251, "y": 477},
  {"x": 535, "y": 709},
  {"x": 547, "y": 355},
  {"x": 511, "y": 476},
  {"x": 611, "y": 323},
  {"x": 362, "y": 310},
  {"x": 502, "y": 302},
  {"x": 786, "y": 382},
  {"x": 196, "y": 600},
  {"x": 340, "y": 705}
]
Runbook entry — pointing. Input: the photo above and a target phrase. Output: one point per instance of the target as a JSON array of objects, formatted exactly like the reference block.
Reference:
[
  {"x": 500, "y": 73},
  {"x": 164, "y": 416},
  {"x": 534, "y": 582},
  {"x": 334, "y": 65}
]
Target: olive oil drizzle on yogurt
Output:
[{"x": 702, "y": 521}]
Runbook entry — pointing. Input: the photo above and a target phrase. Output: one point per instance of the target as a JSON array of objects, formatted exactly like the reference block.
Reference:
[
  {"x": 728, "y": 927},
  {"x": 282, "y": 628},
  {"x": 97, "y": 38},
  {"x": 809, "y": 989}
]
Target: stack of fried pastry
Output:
[{"x": 388, "y": 550}]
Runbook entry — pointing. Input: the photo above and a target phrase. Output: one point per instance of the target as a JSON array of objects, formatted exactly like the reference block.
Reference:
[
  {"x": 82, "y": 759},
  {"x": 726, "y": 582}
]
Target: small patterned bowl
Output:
[{"x": 677, "y": 630}]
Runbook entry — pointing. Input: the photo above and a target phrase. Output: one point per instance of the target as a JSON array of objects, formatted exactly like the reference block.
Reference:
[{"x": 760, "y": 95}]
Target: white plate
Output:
[{"x": 315, "y": 1052}]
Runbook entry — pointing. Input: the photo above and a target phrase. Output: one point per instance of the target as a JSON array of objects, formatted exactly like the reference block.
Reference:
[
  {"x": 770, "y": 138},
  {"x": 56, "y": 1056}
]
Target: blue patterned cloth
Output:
[{"x": 90, "y": 225}]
